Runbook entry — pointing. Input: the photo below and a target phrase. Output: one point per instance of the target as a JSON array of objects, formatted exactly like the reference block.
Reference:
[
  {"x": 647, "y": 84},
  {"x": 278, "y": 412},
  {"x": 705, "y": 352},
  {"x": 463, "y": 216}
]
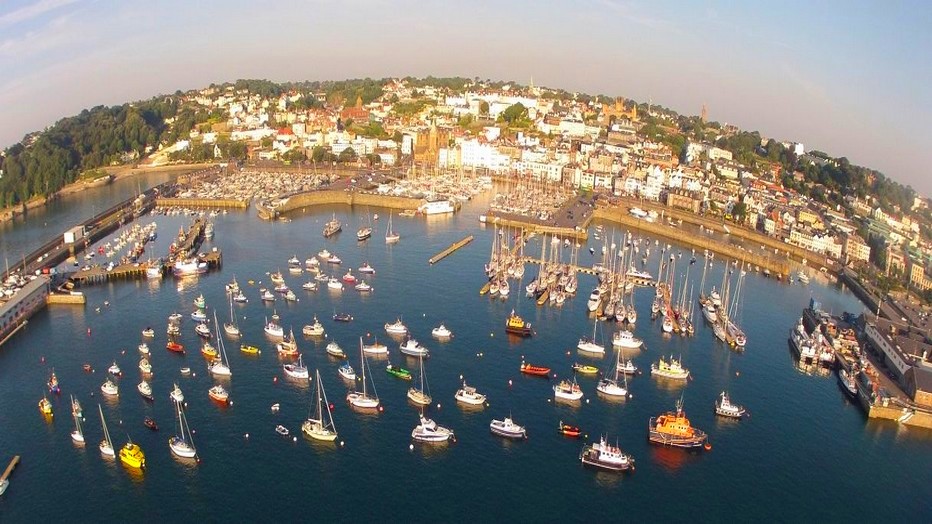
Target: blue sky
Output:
[{"x": 850, "y": 78}]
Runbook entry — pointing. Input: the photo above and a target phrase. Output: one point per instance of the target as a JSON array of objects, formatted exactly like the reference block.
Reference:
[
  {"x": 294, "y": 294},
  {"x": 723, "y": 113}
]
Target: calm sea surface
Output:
[{"x": 806, "y": 453}]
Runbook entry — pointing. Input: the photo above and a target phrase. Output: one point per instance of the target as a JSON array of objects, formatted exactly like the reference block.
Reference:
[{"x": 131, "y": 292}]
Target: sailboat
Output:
[
  {"x": 182, "y": 444},
  {"x": 390, "y": 235},
  {"x": 362, "y": 399},
  {"x": 77, "y": 435},
  {"x": 419, "y": 396},
  {"x": 365, "y": 231},
  {"x": 316, "y": 427},
  {"x": 590, "y": 345},
  {"x": 220, "y": 366},
  {"x": 298, "y": 370},
  {"x": 106, "y": 445},
  {"x": 610, "y": 386},
  {"x": 231, "y": 328}
]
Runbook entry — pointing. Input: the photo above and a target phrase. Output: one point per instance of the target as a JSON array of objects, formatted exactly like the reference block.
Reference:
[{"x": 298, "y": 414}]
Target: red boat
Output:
[
  {"x": 88, "y": 368},
  {"x": 570, "y": 431},
  {"x": 150, "y": 423},
  {"x": 174, "y": 347},
  {"x": 534, "y": 370}
]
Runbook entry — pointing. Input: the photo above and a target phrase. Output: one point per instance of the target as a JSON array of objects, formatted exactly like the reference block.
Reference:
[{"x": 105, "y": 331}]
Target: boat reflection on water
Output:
[{"x": 671, "y": 458}]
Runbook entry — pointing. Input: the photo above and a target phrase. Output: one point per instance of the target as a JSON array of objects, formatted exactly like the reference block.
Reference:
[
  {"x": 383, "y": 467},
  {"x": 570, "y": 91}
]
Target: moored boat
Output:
[
  {"x": 672, "y": 369},
  {"x": 539, "y": 371},
  {"x": 725, "y": 408},
  {"x": 515, "y": 325},
  {"x": 674, "y": 429},
  {"x": 429, "y": 431},
  {"x": 507, "y": 428},
  {"x": 603, "y": 455}
]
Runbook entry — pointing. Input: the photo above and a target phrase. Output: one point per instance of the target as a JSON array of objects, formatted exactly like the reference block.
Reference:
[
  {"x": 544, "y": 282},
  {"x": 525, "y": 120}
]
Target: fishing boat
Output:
[
  {"x": 321, "y": 277},
  {"x": 199, "y": 316},
  {"x": 200, "y": 302},
  {"x": 323, "y": 254},
  {"x": 311, "y": 262},
  {"x": 568, "y": 430},
  {"x": 334, "y": 350},
  {"x": 298, "y": 370},
  {"x": 131, "y": 455},
  {"x": 149, "y": 422},
  {"x": 333, "y": 283},
  {"x": 674, "y": 429},
  {"x": 266, "y": 296},
  {"x": 420, "y": 396},
  {"x": 77, "y": 435},
  {"x": 317, "y": 427},
  {"x": 429, "y": 431},
  {"x": 342, "y": 317},
  {"x": 469, "y": 395},
  {"x": 143, "y": 348},
  {"x": 145, "y": 390},
  {"x": 273, "y": 328},
  {"x": 366, "y": 269},
  {"x": 517, "y": 326},
  {"x": 240, "y": 297},
  {"x": 208, "y": 350},
  {"x": 396, "y": 328},
  {"x": 110, "y": 388},
  {"x": 174, "y": 318},
  {"x": 398, "y": 372},
  {"x": 567, "y": 390},
  {"x": 725, "y": 408},
  {"x": 148, "y": 332},
  {"x": 603, "y": 455},
  {"x": 508, "y": 429},
  {"x": 53, "y": 384},
  {"x": 249, "y": 349},
  {"x": 106, "y": 445},
  {"x": 362, "y": 399},
  {"x": 277, "y": 278},
  {"x": 282, "y": 430},
  {"x": 334, "y": 260},
  {"x": 174, "y": 347},
  {"x": 848, "y": 382},
  {"x": 182, "y": 442},
  {"x": 441, "y": 331},
  {"x": 391, "y": 236},
  {"x": 176, "y": 394},
  {"x": 332, "y": 227},
  {"x": 414, "y": 348},
  {"x": 626, "y": 339},
  {"x": 346, "y": 371},
  {"x": 291, "y": 297},
  {"x": 202, "y": 330},
  {"x": 185, "y": 371},
  {"x": 173, "y": 330},
  {"x": 672, "y": 369},
  {"x": 315, "y": 329},
  {"x": 539, "y": 371},
  {"x": 310, "y": 285},
  {"x": 218, "y": 393},
  {"x": 114, "y": 369}
]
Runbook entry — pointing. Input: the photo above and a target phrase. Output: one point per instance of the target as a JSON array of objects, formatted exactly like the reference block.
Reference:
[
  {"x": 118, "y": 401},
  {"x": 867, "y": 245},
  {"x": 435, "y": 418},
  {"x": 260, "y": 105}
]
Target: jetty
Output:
[
  {"x": 448, "y": 251},
  {"x": 5, "y": 478}
]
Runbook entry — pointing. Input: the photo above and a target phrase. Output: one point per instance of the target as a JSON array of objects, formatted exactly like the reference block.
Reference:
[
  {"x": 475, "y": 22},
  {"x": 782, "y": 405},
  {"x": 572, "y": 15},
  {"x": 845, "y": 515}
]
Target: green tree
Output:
[
  {"x": 347, "y": 155},
  {"x": 318, "y": 154},
  {"x": 514, "y": 113},
  {"x": 483, "y": 108}
]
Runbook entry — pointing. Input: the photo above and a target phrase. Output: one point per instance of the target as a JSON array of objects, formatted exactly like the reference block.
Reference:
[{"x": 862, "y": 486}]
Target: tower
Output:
[{"x": 704, "y": 115}]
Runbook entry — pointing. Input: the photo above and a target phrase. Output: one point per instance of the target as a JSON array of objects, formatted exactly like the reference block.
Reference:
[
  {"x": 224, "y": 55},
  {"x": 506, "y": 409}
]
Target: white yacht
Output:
[
  {"x": 298, "y": 370},
  {"x": 441, "y": 331},
  {"x": 469, "y": 395},
  {"x": 429, "y": 431},
  {"x": 414, "y": 348},
  {"x": 396, "y": 328},
  {"x": 508, "y": 429},
  {"x": 626, "y": 339}
]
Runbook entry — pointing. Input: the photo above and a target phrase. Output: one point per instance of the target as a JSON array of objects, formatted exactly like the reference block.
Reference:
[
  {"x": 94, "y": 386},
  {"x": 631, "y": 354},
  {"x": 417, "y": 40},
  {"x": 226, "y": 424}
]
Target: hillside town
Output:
[{"x": 612, "y": 147}]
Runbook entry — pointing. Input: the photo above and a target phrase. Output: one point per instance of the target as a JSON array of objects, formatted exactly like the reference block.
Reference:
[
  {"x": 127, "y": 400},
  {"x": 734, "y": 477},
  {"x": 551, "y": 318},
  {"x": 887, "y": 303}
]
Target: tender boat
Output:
[
  {"x": 569, "y": 431},
  {"x": 342, "y": 317},
  {"x": 282, "y": 430},
  {"x": 508, "y": 429},
  {"x": 469, "y": 395},
  {"x": 334, "y": 350},
  {"x": 441, "y": 331},
  {"x": 396, "y": 328},
  {"x": 603, "y": 455},
  {"x": 517, "y": 326},
  {"x": 585, "y": 370},
  {"x": 249, "y": 350},
  {"x": 429, "y": 431},
  {"x": 724, "y": 407},
  {"x": 674, "y": 429},
  {"x": 131, "y": 455},
  {"x": 398, "y": 372},
  {"x": 53, "y": 382},
  {"x": 149, "y": 422},
  {"x": 539, "y": 371},
  {"x": 672, "y": 369}
]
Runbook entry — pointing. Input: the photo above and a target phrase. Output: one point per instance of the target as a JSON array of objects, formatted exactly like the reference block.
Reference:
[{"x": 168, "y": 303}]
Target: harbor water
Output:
[{"x": 805, "y": 453}]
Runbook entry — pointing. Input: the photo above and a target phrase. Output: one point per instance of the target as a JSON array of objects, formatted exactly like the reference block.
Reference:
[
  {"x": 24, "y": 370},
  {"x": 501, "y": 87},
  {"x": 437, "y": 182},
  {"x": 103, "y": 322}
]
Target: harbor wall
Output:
[
  {"x": 202, "y": 203},
  {"x": 795, "y": 252},
  {"x": 349, "y": 198},
  {"x": 581, "y": 233},
  {"x": 780, "y": 267},
  {"x": 921, "y": 419}
]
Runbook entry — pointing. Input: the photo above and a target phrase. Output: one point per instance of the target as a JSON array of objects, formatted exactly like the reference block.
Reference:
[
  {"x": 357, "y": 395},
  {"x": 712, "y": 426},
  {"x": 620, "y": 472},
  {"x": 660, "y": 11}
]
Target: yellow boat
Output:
[
  {"x": 209, "y": 350},
  {"x": 45, "y": 406},
  {"x": 585, "y": 370},
  {"x": 251, "y": 350},
  {"x": 132, "y": 455}
]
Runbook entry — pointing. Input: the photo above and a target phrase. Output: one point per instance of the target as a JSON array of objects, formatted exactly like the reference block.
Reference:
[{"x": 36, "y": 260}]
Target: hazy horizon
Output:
[{"x": 846, "y": 78}]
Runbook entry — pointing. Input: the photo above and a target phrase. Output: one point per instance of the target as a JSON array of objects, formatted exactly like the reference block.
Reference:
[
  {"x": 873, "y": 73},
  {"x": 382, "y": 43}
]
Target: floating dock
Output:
[
  {"x": 448, "y": 251},
  {"x": 4, "y": 480}
]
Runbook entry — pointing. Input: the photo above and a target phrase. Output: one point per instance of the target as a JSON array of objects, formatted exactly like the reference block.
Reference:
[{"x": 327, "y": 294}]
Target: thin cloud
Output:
[
  {"x": 630, "y": 12},
  {"x": 56, "y": 33},
  {"x": 30, "y": 11}
]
